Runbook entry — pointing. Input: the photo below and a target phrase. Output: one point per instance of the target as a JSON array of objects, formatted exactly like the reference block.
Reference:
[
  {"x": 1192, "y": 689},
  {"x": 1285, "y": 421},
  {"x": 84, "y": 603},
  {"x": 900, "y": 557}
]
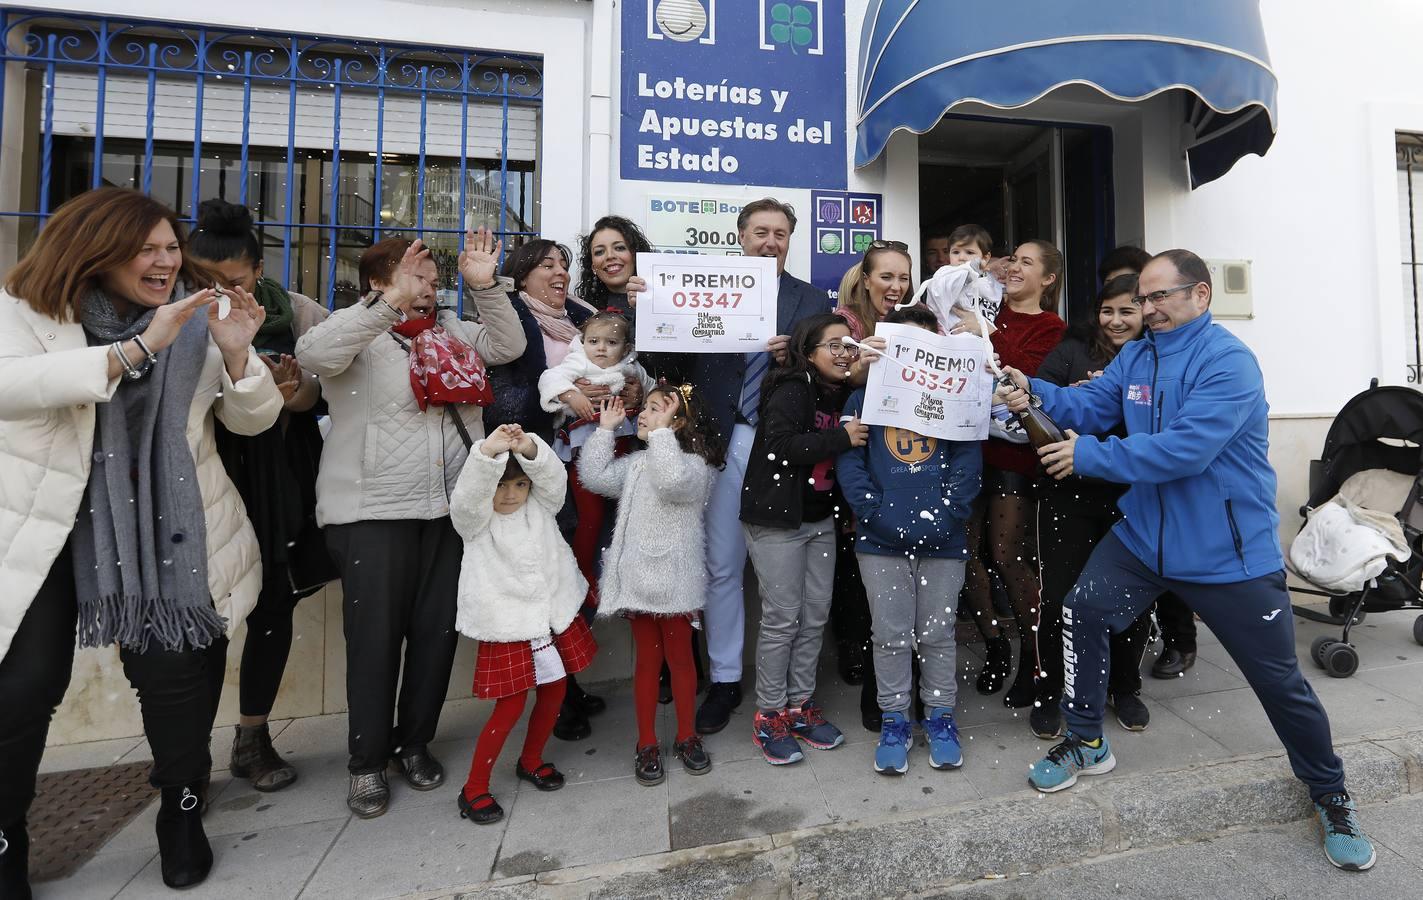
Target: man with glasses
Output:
[{"x": 1199, "y": 520}]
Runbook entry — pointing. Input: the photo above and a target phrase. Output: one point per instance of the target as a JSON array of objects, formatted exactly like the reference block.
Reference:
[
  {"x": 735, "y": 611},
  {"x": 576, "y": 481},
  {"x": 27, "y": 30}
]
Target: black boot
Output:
[
  {"x": 15, "y": 861},
  {"x": 591, "y": 704},
  {"x": 254, "y": 758},
  {"x": 1024, "y": 691},
  {"x": 182, "y": 844},
  {"x": 572, "y": 723},
  {"x": 997, "y": 665}
]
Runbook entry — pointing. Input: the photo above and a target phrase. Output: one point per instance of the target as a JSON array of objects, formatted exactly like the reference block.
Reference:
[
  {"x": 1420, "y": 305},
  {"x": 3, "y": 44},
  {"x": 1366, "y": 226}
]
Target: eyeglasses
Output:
[
  {"x": 838, "y": 349},
  {"x": 1155, "y": 297},
  {"x": 888, "y": 245}
]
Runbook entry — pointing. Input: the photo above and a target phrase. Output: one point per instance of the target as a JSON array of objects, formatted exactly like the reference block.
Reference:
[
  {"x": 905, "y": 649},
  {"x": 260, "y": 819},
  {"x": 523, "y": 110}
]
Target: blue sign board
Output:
[
  {"x": 843, "y": 223},
  {"x": 734, "y": 92}
]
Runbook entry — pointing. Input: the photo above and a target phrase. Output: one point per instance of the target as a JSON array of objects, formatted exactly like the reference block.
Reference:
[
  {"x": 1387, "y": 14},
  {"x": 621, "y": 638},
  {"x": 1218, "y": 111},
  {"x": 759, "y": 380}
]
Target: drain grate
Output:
[{"x": 75, "y": 813}]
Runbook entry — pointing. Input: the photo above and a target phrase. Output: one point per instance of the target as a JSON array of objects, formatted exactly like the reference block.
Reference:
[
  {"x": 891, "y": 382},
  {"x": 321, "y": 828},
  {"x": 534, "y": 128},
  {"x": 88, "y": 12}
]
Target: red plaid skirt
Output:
[{"x": 502, "y": 669}]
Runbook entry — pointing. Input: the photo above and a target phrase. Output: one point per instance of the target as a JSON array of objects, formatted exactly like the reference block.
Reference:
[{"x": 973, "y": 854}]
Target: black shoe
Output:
[
  {"x": 183, "y": 848},
  {"x": 1046, "y": 721},
  {"x": 421, "y": 770},
  {"x": 369, "y": 794},
  {"x": 478, "y": 811},
  {"x": 545, "y": 777},
  {"x": 693, "y": 756},
  {"x": 572, "y": 723},
  {"x": 997, "y": 665},
  {"x": 590, "y": 704},
  {"x": 722, "y": 698},
  {"x": 15, "y": 861},
  {"x": 851, "y": 660},
  {"x": 872, "y": 722},
  {"x": 1132, "y": 714},
  {"x": 1172, "y": 663},
  {"x": 254, "y": 758},
  {"x": 664, "y": 686},
  {"x": 648, "y": 765},
  {"x": 1024, "y": 692}
]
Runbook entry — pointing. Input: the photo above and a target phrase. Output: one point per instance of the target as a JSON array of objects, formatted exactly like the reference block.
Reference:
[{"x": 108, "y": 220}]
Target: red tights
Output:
[
  {"x": 591, "y": 509},
  {"x": 549, "y": 697},
  {"x": 657, "y": 638}
]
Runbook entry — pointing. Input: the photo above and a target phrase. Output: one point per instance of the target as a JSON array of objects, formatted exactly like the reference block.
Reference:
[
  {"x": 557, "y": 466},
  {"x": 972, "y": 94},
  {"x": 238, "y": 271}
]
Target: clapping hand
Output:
[
  {"x": 479, "y": 257},
  {"x": 612, "y": 414}
]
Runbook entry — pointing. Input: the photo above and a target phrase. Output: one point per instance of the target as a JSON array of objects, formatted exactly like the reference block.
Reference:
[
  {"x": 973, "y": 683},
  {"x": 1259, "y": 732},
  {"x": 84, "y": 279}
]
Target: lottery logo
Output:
[
  {"x": 908, "y": 447},
  {"x": 681, "y": 20}
]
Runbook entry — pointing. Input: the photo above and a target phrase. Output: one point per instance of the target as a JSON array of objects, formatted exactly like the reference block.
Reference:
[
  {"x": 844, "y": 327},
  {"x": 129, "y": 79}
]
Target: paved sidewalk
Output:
[{"x": 302, "y": 842}]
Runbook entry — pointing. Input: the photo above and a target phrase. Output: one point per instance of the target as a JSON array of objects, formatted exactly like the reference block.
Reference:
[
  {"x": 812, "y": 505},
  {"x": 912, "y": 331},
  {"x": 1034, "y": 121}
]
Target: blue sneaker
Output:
[
  {"x": 1063, "y": 763},
  {"x": 772, "y": 733},
  {"x": 810, "y": 725},
  {"x": 1344, "y": 841},
  {"x": 943, "y": 735},
  {"x": 892, "y": 752}
]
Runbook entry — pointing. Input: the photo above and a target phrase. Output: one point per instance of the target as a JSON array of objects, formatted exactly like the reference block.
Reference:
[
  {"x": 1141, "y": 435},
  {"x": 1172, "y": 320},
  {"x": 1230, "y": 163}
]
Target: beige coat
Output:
[
  {"x": 384, "y": 457},
  {"x": 50, "y": 380}
]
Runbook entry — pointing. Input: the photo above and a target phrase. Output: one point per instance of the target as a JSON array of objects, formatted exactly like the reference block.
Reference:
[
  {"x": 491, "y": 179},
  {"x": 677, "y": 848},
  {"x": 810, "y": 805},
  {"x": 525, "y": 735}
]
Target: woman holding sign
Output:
[
  {"x": 787, "y": 512},
  {"x": 1027, "y": 330}
]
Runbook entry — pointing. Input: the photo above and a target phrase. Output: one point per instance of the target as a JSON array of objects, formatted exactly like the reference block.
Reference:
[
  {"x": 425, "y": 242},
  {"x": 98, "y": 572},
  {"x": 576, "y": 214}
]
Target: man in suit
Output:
[{"x": 730, "y": 389}]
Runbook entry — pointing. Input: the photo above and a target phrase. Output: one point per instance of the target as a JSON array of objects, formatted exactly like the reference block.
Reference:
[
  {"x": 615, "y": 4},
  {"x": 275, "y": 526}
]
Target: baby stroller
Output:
[{"x": 1373, "y": 456}]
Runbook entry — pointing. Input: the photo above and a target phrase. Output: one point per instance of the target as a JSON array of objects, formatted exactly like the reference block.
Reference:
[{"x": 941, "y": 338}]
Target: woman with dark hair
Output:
[
  {"x": 607, "y": 261},
  {"x": 275, "y": 472},
  {"x": 1074, "y": 514},
  {"x": 787, "y": 512},
  {"x": 1028, "y": 328},
  {"x": 116, "y": 355},
  {"x": 383, "y": 496}
]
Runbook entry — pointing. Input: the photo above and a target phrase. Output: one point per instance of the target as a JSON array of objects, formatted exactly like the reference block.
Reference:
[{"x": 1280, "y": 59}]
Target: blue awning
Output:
[{"x": 920, "y": 58}]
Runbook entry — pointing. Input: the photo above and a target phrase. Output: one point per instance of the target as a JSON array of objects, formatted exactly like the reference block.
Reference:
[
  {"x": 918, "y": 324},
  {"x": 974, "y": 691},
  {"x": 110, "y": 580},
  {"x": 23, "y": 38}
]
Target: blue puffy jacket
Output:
[
  {"x": 909, "y": 493},
  {"x": 1201, "y": 503}
]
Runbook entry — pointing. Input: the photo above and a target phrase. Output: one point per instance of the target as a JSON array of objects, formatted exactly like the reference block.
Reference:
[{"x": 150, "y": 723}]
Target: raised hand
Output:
[
  {"x": 170, "y": 318},
  {"x": 496, "y": 442},
  {"x": 480, "y": 257},
  {"x": 612, "y": 414},
  {"x": 406, "y": 284},
  {"x": 233, "y": 335}
]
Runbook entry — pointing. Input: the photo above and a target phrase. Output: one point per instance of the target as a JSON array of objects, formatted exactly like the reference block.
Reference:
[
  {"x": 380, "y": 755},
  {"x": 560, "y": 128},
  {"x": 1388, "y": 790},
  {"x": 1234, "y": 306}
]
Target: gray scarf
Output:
[{"x": 140, "y": 541}]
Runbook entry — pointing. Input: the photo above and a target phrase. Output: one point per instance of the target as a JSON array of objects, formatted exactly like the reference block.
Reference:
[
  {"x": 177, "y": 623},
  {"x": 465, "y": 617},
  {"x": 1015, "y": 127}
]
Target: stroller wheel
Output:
[
  {"x": 1321, "y": 643},
  {"x": 1341, "y": 660},
  {"x": 1418, "y": 629}
]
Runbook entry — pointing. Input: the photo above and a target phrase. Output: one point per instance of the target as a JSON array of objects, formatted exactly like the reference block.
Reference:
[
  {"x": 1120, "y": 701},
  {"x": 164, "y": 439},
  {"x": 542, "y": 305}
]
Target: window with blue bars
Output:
[{"x": 334, "y": 144}]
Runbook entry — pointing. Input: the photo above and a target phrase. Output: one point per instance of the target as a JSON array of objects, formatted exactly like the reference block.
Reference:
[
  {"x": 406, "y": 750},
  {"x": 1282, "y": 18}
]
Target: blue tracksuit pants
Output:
[{"x": 1251, "y": 618}]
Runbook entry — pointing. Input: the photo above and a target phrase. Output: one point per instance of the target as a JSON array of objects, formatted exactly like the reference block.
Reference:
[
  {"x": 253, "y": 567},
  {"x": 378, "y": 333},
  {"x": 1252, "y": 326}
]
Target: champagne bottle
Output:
[{"x": 1041, "y": 429}]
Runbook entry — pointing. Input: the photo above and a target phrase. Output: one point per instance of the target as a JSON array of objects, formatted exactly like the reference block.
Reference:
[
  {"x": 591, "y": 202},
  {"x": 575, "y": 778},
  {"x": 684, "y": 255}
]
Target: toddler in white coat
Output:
[
  {"x": 519, "y": 595},
  {"x": 603, "y": 354}
]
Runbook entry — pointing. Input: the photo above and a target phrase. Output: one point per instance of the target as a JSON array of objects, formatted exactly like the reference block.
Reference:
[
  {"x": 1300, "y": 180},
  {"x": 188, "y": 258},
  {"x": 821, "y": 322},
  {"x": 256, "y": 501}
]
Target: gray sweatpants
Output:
[
  {"x": 795, "y": 569},
  {"x": 913, "y": 604}
]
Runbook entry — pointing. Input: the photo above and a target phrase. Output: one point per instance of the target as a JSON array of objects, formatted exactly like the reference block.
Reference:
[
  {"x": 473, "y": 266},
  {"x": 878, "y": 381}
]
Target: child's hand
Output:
[
  {"x": 500, "y": 440},
  {"x": 525, "y": 445},
  {"x": 573, "y": 399},
  {"x": 612, "y": 414},
  {"x": 858, "y": 431}
]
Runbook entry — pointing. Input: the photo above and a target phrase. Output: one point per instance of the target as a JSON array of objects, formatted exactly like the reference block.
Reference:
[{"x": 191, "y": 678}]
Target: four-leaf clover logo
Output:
[{"x": 791, "y": 25}]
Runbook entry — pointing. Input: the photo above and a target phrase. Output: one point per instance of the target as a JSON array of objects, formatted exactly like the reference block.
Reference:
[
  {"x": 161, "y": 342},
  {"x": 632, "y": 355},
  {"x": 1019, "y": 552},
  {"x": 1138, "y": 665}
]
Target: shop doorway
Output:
[{"x": 1024, "y": 180}]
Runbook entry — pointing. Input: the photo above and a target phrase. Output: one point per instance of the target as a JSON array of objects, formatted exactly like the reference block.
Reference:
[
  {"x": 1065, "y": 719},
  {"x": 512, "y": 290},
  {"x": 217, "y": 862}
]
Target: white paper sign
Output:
[
  {"x": 706, "y": 304},
  {"x": 677, "y": 224},
  {"x": 932, "y": 384}
]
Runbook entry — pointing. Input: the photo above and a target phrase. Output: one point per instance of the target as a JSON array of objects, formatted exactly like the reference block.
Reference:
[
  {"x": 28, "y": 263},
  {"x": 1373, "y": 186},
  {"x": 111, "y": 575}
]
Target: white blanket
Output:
[{"x": 1344, "y": 546}]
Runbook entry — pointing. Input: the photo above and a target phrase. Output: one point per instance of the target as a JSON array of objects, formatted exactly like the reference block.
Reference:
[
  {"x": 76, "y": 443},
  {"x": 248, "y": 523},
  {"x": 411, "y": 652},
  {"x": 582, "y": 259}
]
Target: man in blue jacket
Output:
[{"x": 1199, "y": 519}]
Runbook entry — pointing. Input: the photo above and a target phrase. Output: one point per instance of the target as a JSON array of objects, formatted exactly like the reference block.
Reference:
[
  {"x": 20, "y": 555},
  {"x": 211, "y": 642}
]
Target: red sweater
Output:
[{"x": 1023, "y": 341}]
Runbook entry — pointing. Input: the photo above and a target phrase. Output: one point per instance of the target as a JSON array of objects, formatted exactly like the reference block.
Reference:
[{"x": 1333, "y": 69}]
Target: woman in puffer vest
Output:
[
  {"x": 382, "y": 495},
  {"x": 115, "y": 512}
]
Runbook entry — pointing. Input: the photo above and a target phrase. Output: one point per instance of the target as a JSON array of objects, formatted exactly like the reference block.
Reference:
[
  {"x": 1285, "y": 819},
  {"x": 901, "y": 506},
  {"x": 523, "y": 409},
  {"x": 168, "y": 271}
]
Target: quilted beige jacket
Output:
[
  {"x": 384, "y": 458},
  {"x": 50, "y": 380}
]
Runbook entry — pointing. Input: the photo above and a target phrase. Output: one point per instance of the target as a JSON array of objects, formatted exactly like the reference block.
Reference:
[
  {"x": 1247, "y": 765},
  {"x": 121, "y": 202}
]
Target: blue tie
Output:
[{"x": 756, "y": 366}]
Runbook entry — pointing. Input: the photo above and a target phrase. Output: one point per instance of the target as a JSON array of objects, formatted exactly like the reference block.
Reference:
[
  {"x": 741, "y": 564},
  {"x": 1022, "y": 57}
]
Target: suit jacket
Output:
[{"x": 718, "y": 376}]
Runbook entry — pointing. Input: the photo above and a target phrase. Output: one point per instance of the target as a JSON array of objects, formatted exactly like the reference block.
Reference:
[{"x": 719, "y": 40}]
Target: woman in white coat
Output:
[
  {"x": 115, "y": 512},
  {"x": 383, "y": 495}
]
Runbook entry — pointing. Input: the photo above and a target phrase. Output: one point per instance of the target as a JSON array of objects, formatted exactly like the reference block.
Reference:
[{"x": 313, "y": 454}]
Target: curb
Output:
[{"x": 1018, "y": 833}]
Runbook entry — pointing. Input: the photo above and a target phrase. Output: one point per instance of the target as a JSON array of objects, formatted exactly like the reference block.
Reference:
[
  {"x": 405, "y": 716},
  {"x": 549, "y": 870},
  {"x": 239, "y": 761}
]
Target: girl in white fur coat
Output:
[
  {"x": 654, "y": 572},
  {"x": 519, "y": 595}
]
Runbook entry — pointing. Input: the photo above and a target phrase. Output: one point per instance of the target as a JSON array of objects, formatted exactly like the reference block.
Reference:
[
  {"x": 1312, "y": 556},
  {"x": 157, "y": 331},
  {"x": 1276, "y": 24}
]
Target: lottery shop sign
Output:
[{"x": 843, "y": 224}]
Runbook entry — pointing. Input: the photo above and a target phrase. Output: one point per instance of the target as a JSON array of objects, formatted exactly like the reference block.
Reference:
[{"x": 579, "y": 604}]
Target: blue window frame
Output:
[{"x": 333, "y": 143}]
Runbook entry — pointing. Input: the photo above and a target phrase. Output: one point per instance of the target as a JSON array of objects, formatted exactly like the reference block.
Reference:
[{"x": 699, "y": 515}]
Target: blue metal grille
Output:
[{"x": 317, "y": 203}]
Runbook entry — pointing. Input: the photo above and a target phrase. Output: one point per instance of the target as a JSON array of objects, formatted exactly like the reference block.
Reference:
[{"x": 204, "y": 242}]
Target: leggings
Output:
[
  {"x": 659, "y": 638},
  {"x": 269, "y": 643},
  {"x": 592, "y": 508},
  {"x": 548, "y": 698}
]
